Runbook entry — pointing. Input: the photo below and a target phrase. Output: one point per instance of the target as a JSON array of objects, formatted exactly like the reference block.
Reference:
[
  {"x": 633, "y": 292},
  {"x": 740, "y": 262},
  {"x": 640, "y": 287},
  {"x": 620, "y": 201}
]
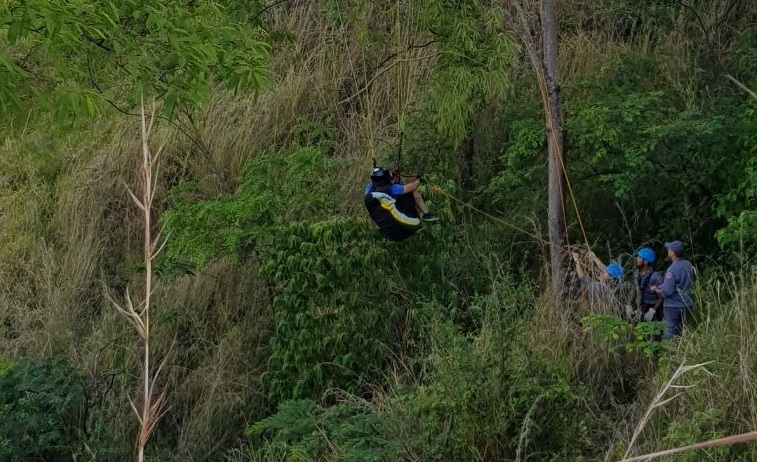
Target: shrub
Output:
[{"x": 40, "y": 410}]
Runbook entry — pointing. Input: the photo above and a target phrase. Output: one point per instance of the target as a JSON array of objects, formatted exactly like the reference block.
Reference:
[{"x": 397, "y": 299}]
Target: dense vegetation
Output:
[{"x": 289, "y": 328}]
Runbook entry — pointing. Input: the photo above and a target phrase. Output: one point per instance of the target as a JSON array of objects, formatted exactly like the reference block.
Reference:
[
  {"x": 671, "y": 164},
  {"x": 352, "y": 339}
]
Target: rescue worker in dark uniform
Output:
[
  {"x": 395, "y": 207},
  {"x": 676, "y": 290},
  {"x": 649, "y": 302}
]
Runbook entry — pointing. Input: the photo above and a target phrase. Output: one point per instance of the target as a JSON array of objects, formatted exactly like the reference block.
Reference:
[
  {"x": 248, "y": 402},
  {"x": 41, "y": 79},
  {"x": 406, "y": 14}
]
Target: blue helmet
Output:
[
  {"x": 647, "y": 254},
  {"x": 614, "y": 270}
]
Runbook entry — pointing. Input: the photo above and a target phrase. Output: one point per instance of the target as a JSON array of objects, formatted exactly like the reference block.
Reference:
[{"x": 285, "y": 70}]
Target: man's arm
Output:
[
  {"x": 579, "y": 270},
  {"x": 668, "y": 286},
  {"x": 412, "y": 186},
  {"x": 656, "y": 281}
]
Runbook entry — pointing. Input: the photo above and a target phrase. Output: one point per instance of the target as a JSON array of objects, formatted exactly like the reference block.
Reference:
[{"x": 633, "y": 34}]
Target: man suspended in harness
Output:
[{"x": 393, "y": 206}]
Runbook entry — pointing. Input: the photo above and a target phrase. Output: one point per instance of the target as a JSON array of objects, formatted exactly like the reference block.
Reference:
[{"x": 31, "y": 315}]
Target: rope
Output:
[
  {"x": 399, "y": 152},
  {"x": 442, "y": 192},
  {"x": 398, "y": 74}
]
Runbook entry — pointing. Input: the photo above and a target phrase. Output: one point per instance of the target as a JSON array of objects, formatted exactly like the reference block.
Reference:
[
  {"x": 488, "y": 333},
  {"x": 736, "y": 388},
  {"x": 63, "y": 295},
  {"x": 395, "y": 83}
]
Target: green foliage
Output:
[
  {"x": 40, "y": 410},
  {"x": 423, "y": 350},
  {"x": 349, "y": 431},
  {"x": 702, "y": 425},
  {"x": 470, "y": 75},
  {"x": 277, "y": 188},
  {"x": 609, "y": 327},
  {"x": 641, "y": 163},
  {"x": 488, "y": 389},
  {"x": 343, "y": 292},
  {"x": 521, "y": 164},
  {"x": 737, "y": 203},
  {"x": 77, "y": 52},
  {"x": 333, "y": 312},
  {"x": 620, "y": 334},
  {"x": 739, "y": 236},
  {"x": 478, "y": 394},
  {"x": 647, "y": 337}
]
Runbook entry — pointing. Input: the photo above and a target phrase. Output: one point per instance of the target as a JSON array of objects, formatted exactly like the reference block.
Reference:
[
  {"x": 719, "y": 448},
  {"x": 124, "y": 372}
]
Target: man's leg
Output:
[
  {"x": 673, "y": 318},
  {"x": 420, "y": 203},
  {"x": 686, "y": 316}
]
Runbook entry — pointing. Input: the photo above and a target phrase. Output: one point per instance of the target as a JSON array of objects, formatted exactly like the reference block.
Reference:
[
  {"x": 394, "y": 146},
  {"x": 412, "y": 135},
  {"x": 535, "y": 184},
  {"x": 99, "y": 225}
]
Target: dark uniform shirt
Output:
[{"x": 678, "y": 285}]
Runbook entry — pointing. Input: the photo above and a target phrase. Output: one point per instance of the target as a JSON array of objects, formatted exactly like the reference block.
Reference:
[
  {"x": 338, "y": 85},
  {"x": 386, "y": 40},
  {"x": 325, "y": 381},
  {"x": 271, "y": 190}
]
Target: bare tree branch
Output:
[{"x": 742, "y": 86}]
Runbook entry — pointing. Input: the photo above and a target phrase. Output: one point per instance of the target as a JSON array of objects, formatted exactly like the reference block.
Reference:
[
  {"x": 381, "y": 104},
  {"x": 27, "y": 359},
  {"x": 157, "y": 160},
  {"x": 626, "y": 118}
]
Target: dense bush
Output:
[
  {"x": 483, "y": 396},
  {"x": 41, "y": 410}
]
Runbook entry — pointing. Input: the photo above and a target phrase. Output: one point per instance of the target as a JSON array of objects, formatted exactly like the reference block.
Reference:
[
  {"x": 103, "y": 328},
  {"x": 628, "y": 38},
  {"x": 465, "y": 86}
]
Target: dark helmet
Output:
[{"x": 380, "y": 176}]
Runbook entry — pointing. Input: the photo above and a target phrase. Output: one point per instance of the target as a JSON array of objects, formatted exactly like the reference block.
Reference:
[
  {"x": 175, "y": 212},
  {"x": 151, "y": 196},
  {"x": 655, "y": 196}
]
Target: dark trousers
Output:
[{"x": 675, "y": 318}]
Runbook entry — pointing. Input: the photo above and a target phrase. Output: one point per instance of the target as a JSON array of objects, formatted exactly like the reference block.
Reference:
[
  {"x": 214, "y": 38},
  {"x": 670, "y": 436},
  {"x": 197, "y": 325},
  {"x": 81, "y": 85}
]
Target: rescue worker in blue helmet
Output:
[
  {"x": 677, "y": 290},
  {"x": 395, "y": 207},
  {"x": 648, "y": 301},
  {"x": 606, "y": 294}
]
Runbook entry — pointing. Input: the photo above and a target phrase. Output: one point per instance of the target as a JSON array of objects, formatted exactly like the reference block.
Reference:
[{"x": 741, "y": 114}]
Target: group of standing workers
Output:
[{"x": 653, "y": 295}]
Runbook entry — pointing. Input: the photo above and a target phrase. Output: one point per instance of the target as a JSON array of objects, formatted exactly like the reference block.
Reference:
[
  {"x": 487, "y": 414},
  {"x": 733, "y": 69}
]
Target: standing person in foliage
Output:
[
  {"x": 394, "y": 207},
  {"x": 608, "y": 293},
  {"x": 649, "y": 302},
  {"x": 676, "y": 290}
]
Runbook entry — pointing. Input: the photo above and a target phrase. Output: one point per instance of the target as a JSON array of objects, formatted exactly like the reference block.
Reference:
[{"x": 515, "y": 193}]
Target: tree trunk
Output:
[
  {"x": 553, "y": 115},
  {"x": 543, "y": 55}
]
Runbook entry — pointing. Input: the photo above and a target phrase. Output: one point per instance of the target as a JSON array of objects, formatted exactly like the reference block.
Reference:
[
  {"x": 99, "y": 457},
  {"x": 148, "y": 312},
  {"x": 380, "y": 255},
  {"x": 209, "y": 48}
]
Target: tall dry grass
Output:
[
  {"x": 330, "y": 74},
  {"x": 57, "y": 239},
  {"x": 223, "y": 323},
  {"x": 151, "y": 405},
  {"x": 684, "y": 39},
  {"x": 714, "y": 403}
]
